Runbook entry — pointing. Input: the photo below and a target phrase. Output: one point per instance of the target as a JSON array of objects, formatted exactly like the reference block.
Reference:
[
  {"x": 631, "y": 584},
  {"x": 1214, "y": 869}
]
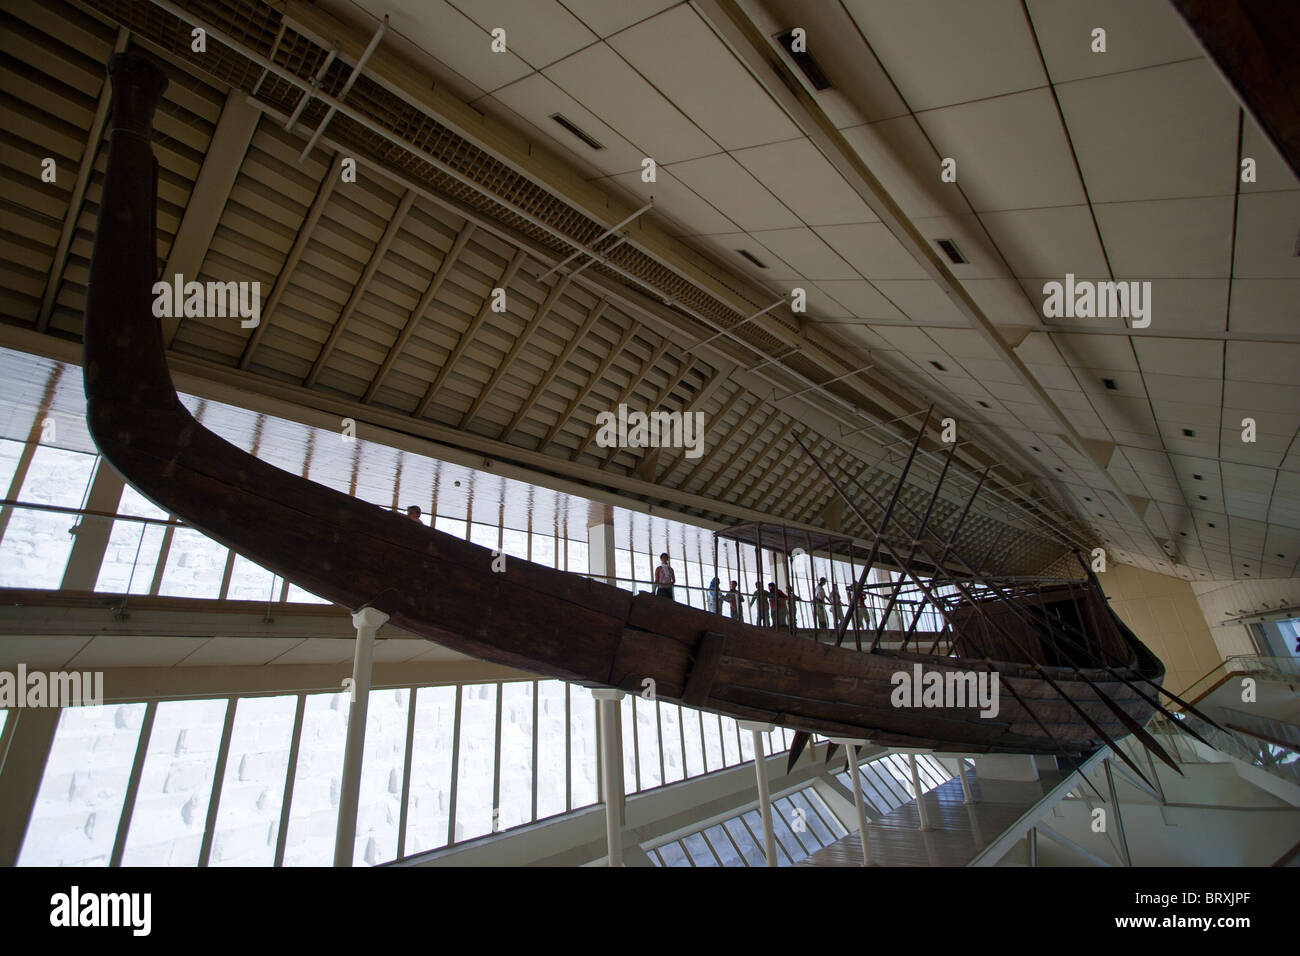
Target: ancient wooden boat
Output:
[{"x": 1071, "y": 680}]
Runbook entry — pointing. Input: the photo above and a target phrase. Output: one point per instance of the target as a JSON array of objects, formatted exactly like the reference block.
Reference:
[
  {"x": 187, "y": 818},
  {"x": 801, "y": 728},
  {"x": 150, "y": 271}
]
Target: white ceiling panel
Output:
[
  {"x": 1179, "y": 356},
  {"x": 1269, "y": 306},
  {"x": 1172, "y": 237},
  {"x": 1175, "y": 127},
  {"x": 1139, "y": 33},
  {"x": 873, "y": 251},
  {"x": 937, "y": 53},
  {"x": 1003, "y": 301},
  {"x": 726, "y": 247},
  {"x": 1268, "y": 236},
  {"x": 1184, "y": 388},
  {"x": 1189, "y": 305},
  {"x": 899, "y": 155},
  {"x": 539, "y": 31},
  {"x": 675, "y": 202},
  {"x": 921, "y": 300},
  {"x": 452, "y": 38},
  {"x": 1271, "y": 171},
  {"x": 1011, "y": 151},
  {"x": 679, "y": 53},
  {"x": 602, "y": 81},
  {"x": 860, "y": 88},
  {"x": 862, "y": 299},
  {"x": 537, "y": 99},
  {"x": 804, "y": 249},
  {"x": 1270, "y": 363},
  {"x": 739, "y": 196},
  {"x": 1097, "y": 351},
  {"x": 800, "y": 177},
  {"x": 605, "y": 18},
  {"x": 1047, "y": 242}
]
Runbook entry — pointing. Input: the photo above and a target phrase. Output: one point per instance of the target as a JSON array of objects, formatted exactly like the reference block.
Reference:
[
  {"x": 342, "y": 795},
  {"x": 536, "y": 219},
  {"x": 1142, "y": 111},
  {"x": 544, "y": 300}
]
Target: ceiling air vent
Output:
[
  {"x": 575, "y": 130},
  {"x": 751, "y": 257},
  {"x": 806, "y": 63},
  {"x": 951, "y": 251}
]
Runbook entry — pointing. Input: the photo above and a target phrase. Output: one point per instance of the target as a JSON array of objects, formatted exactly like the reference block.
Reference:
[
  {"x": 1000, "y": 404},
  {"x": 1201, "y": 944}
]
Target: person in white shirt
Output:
[
  {"x": 665, "y": 578},
  {"x": 819, "y": 604}
]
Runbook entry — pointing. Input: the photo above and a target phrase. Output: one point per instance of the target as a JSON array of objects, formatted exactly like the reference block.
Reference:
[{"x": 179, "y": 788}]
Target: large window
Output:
[{"x": 801, "y": 824}]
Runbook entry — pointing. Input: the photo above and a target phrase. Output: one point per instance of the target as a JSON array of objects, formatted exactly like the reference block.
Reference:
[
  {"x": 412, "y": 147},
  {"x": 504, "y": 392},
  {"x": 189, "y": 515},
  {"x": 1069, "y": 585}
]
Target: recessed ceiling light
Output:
[
  {"x": 1198, "y": 477},
  {"x": 983, "y": 404},
  {"x": 950, "y": 249},
  {"x": 576, "y": 130},
  {"x": 938, "y": 366},
  {"x": 1210, "y": 523},
  {"x": 1203, "y": 498},
  {"x": 751, "y": 257},
  {"x": 805, "y": 62},
  {"x": 1110, "y": 384}
]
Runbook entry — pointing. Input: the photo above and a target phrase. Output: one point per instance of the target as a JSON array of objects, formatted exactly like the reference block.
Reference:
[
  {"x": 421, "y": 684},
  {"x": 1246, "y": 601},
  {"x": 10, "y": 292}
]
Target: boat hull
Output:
[{"x": 538, "y": 619}]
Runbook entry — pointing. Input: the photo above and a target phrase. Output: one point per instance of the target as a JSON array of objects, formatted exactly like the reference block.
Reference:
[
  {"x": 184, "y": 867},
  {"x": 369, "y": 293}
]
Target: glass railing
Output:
[
  {"x": 1280, "y": 761},
  {"x": 1277, "y": 668}
]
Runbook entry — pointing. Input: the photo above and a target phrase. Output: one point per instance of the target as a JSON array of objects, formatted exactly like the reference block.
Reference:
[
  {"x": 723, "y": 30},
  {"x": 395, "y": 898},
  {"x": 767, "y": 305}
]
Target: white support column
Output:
[
  {"x": 859, "y": 802},
  {"x": 966, "y": 796},
  {"x": 916, "y": 788},
  {"x": 764, "y": 795},
  {"x": 600, "y": 550},
  {"x": 367, "y": 621},
  {"x": 611, "y": 770}
]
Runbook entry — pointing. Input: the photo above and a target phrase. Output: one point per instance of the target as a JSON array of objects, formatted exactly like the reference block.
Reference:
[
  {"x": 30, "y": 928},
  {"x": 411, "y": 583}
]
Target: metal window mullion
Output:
[
  {"x": 455, "y": 767},
  {"x": 536, "y": 716},
  {"x": 806, "y": 830},
  {"x": 133, "y": 783},
  {"x": 734, "y": 845},
  {"x": 659, "y": 728},
  {"x": 681, "y": 731},
  {"x": 812, "y": 805},
  {"x": 717, "y": 857},
  {"x": 218, "y": 778},
  {"x": 636, "y": 747},
  {"x": 568, "y": 747},
  {"x": 226, "y": 574},
  {"x": 496, "y": 764},
  {"x": 406, "y": 777},
  {"x": 164, "y": 552},
  {"x": 704, "y": 744},
  {"x": 290, "y": 775}
]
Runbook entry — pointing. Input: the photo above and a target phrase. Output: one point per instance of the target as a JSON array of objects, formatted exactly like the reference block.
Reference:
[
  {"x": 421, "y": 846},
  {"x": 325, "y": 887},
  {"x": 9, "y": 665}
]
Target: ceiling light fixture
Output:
[
  {"x": 576, "y": 130},
  {"x": 950, "y": 249},
  {"x": 805, "y": 63},
  {"x": 751, "y": 257}
]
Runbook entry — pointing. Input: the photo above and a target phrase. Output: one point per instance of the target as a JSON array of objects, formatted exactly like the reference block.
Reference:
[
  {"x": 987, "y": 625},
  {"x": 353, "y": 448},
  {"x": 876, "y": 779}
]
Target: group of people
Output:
[{"x": 774, "y": 606}]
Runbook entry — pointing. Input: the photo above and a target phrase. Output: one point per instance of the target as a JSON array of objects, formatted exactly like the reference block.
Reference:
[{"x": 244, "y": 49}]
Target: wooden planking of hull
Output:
[{"x": 530, "y": 617}]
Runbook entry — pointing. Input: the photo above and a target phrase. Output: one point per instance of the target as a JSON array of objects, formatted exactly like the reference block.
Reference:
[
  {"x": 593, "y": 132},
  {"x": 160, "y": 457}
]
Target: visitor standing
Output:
[
  {"x": 819, "y": 605},
  {"x": 665, "y": 578}
]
